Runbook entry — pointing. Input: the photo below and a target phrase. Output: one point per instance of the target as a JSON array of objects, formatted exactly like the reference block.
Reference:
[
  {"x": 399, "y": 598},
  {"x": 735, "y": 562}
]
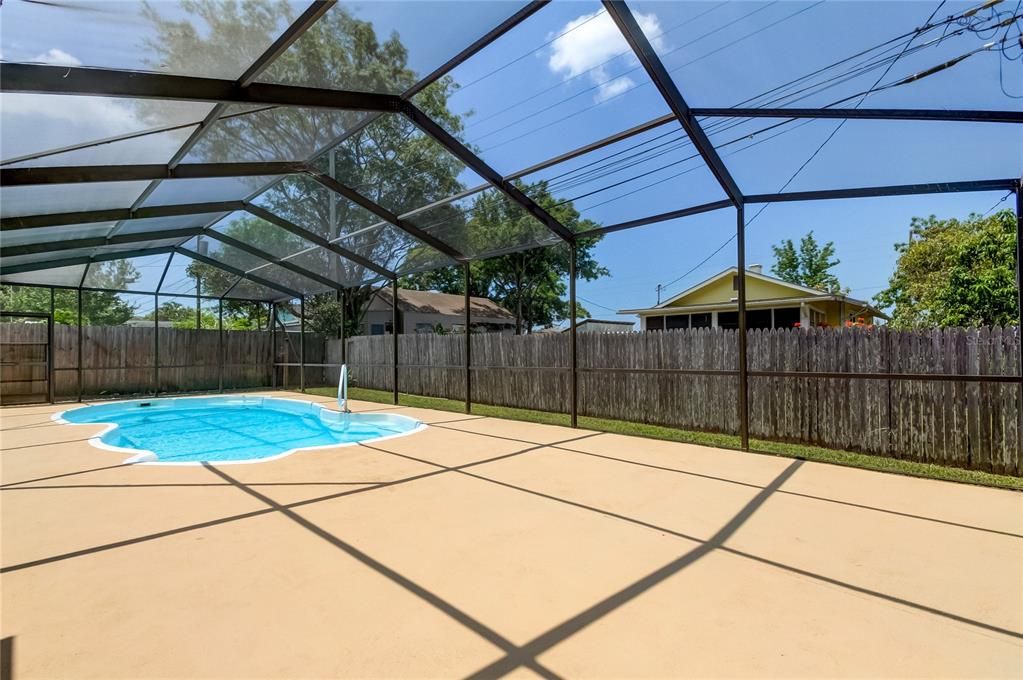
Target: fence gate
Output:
[{"x": 26, "y": 358}]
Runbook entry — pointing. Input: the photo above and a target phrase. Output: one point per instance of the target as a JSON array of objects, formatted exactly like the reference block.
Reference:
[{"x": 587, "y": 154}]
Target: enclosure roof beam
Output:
[
  {"x": 644, "y": 51},
  {"x": 526, "y": 11},
  {"x": 263, "y": 255},
  {"x": 99, "y": 82},
  {"x": 6, "y": 269},
  {"x": 386, "y": 215},
  {"x": 955, "y": 115},
  {"x": 98, "y": 241},
  {"x": 199, "y": 257},
  {"x": 481, "y": 168},
  {"x": 133, "y": 173},
  {"x": 285, "y": 40},
  {"x": 316, "y": 239},
  {"x": 889, "y": 190},
  {"x": 116, "y": 215},
  {"x": 654, "y": 219}
]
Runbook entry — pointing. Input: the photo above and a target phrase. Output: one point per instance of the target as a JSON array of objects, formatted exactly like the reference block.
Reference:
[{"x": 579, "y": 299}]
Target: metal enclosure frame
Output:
[{"x": 33, "y": 78}]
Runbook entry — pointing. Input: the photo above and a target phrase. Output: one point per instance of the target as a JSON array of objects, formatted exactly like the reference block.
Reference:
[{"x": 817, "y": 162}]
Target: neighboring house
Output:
[
  {"x": 139, "y": 322},
  {"x": 770, "y": 303},
  {"x": 601, "y": 326},
  {"x": 422, "y": 311}
]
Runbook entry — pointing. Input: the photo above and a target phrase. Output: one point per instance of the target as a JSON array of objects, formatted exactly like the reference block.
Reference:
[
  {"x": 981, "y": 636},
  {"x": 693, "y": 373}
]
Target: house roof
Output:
[
  {"x": 432, "y": 302},
  {"x": 802, "y": 293},
  {"x": 612, "y": 322}
]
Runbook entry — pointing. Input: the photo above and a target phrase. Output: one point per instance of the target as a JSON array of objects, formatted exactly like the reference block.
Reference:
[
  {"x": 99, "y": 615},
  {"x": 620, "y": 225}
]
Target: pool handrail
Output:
[{"x": 342, "y": 390}]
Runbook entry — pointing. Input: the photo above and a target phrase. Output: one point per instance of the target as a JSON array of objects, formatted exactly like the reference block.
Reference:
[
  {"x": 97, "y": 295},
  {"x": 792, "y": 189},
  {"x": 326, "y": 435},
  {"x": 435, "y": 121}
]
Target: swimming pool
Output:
[{"x": 232, "y": 429}]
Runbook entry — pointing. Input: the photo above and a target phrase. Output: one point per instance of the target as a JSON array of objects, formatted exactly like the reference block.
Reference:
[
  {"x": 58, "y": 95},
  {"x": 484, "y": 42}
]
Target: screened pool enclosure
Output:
[{"x": 294, "y": 149}]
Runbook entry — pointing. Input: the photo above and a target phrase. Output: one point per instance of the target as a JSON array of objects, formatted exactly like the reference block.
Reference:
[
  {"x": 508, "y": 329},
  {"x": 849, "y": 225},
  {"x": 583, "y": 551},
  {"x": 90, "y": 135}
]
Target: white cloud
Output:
[
  {"x": 56, "y": 56},
  {"x": 31, "y": 123},
  {"x": 589, "y": 41}
]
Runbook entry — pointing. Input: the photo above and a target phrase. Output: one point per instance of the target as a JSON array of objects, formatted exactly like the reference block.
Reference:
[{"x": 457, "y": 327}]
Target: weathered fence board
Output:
[
  {"x": 962, "y": 423},
  {"x": 625, "y": 376}
]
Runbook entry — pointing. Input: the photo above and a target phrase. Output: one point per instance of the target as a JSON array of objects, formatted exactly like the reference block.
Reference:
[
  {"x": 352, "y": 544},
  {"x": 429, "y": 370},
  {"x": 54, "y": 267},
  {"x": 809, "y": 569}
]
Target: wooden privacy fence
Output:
[
  {"x": 684, "y": 378},
  {"x": 688, "y": 379},
  {"x": 120, "y": 360}
]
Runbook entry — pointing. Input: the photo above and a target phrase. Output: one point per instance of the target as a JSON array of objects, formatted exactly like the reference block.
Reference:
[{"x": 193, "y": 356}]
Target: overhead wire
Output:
[
  {"x": 813, "y": 155},
  {"x": 864, "y": 68}
]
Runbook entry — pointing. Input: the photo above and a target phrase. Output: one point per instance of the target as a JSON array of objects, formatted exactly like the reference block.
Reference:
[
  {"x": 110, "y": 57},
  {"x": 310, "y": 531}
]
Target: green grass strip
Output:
[{"x": 726, "y": 441}]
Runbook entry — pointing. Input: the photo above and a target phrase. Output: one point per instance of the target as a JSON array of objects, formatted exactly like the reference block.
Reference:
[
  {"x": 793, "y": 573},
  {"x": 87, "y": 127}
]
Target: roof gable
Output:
[{"x": 718, "y": 289}]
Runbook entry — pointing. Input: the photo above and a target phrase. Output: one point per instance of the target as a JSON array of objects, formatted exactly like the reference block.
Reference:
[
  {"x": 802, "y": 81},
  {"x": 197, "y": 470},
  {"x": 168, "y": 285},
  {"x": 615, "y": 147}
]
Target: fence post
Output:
[
  {"x": 743, "y": 367},
  {"x": 394, "y": 332},
  {"x": 156, "y": 344},
  {"x": 468, "y": 344},
  {"x": 573, "y": 363},
  {"x": 220, "y": 343},
  {"x": 49, "y": 347},
  {"x": 273, "y": 344},
  {"x": 80, "y": 382},
  {"x": 301, "y": 344}
]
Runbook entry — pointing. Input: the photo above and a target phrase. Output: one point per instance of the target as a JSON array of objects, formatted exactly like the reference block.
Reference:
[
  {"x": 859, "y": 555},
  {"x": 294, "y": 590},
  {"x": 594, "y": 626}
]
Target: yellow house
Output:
[{"x": 770, "y": 303}]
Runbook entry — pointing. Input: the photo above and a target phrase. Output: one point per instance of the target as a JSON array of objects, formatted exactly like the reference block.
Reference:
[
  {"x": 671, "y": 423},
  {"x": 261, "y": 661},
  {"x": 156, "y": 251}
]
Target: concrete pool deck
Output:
[{"x": 485, "y": 547}]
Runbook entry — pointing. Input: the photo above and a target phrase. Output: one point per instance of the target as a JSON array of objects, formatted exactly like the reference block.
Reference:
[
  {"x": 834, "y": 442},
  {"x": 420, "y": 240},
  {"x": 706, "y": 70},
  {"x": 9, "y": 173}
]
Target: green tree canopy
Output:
[
  {"x": 98, "y": 308},
  {"x": 810, "y": 265},
  {"x": 383, "y": 157},
  {"x": 955, "y": 273},
  {"x": 532, "y": 283}
]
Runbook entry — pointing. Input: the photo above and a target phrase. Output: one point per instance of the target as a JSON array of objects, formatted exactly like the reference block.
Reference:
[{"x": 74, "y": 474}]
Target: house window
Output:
[
  {"x": 376, "y": 329},
  {"x": 818, "y": 318},
  {"x": 758, "y": 318},
  {"x": 678, "y": 321},
  {"x": 655, "y": 323},
  {"x": 424, "y": 328},
  {"x": 728, "y": 319},
  {"x": 786, "y": 317},
  {"x": 700, "y": 320}
]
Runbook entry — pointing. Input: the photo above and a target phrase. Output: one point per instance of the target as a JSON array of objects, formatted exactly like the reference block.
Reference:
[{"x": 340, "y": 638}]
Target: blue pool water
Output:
[{"x": 231, "y": 428}]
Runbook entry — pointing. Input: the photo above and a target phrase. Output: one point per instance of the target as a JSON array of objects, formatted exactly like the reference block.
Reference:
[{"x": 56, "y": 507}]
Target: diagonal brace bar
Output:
[
  {"x": 263, "y": 255},
  {"x": 480, "y": 167},
  {"x": 386, "y": 215},
  {"x": 199, "y": 257},
  {"x": 622, "y": 16},
  {"x": 316, "y": 239}
]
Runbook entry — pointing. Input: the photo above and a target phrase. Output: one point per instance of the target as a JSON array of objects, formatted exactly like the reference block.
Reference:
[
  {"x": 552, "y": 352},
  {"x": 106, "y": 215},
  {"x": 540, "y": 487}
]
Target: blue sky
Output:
[{"x": 562, "y": 79}]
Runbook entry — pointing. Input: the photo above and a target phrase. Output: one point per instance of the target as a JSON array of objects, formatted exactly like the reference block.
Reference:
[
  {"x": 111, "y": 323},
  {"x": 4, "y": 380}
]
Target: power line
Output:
[{"x": 927, "y": 26}]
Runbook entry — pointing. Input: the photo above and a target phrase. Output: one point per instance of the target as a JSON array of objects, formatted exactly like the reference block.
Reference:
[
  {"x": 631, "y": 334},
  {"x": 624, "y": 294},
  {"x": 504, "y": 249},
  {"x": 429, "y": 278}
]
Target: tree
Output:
[
  {"x": 387, "y": 160},
  {"x": 98, "y": 308},
  {"x": 955, "y": 273},
  {"x": 184, "y": 317},
  {"x": 530, "y": 283},
  {"x": 808, "y": 266}
]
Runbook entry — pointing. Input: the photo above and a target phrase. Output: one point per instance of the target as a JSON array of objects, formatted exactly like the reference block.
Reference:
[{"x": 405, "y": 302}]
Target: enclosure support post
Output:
[
  {"x": 273, "y": 344},
  {"x": 80, "y": 353},
  {"x": 468, "y": 344},
  {"x": 740, "y": 235},
  {"x": 1019, "y": 300},
  {"x": 220, "y": 344},
  {"x": 156, "y": 344},
  {"x": 49, "y": 348},
  {"x": 573, "y": 362},
  {"x": 301, "y": 344},
  {"x": 394, "y": 333}
]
